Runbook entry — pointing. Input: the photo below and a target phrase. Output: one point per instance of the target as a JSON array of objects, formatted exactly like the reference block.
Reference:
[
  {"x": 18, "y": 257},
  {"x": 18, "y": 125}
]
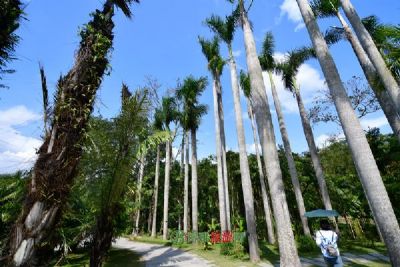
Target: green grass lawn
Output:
[{"x": 116, "y": 258}]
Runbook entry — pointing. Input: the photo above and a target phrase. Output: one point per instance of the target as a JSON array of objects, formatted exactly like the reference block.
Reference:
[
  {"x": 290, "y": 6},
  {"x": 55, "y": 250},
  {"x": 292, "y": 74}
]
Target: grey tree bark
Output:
[
  {"x": 364, "y": 161},
  {"x": 139, "y": 195},
  {"x": 313, "y": 151},
  {"x": 244, "y": 164},
  {"x": 287, "y": 246},
  {"x": 370, "y": 73},
  {"x": 224, "y": 164},
  {"x": 195, "y": 213},
  {"x": 289, "y": 157},
  {"x": 155, "y": 200},
  {"x": 221, "y": 186},
  {"x": 186, "y": 185},
  {"x": 372, "y": 51},
  {"x": 264, "y": 194},
  {"x": 166, "y": 188}
]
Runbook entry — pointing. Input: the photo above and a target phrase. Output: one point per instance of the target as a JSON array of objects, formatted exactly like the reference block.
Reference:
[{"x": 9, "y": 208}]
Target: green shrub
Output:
[
  {"x": 306, "y": 244},
  {"x": 227, "y": 249}
]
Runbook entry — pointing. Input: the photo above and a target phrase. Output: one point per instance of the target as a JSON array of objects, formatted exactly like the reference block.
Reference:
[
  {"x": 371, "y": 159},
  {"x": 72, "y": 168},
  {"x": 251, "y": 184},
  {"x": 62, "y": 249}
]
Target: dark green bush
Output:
[
  {"x": 306, "y": 244},
  {"x": 227, "y": 249}
]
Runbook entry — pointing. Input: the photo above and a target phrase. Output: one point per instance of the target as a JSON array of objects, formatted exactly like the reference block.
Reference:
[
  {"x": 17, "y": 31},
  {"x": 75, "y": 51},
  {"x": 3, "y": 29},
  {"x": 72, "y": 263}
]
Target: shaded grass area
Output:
[{"x": 115, "y": 258}]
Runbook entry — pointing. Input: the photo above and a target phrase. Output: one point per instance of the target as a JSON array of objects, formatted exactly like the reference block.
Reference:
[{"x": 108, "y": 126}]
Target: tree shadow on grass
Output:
[
  {"x": 123, "y": 258},
  {"x": 269, "y": 252}
]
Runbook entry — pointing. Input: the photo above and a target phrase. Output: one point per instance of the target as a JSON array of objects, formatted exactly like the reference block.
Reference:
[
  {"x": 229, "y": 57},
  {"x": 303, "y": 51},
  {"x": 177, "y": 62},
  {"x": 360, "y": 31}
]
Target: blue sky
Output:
[{"x": 161, "y": 41}]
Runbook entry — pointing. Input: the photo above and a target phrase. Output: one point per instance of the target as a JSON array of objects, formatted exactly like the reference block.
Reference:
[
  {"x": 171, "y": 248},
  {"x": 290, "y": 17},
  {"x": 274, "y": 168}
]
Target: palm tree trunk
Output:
[
  {"x": 59, "y": 155},
  {"x": 364, "y": 161},
  {"x": 264, "y": 194},
  {"x": 313, "y": 150},
  {"x": 244, "y": 165},
  {"x": 221, "y": 187},
  {"x": 157, "y": 175},
  {"x": 370, "y": 73},
  {"x": 139, "y": 195},
  {"x": 376, "y": 58},
  {"x": 287, "y": 246},
  {"x": 223, "y": 152},
  {"x": 166, "y": 188},
  {"x": 289, "y": 157},
  {"x": 195, "y": 213},
  {"x": 186, "y": 185}
]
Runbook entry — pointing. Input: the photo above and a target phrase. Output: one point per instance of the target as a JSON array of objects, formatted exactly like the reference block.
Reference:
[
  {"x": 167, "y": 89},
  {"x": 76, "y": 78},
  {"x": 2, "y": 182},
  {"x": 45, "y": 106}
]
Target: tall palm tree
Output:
[
  {"x": 59, "y": 155},
  {"x": 158, "y": 125},
  {"x": 372, "y": 51},
  {"x": 324, "y": 8},
  {"x": 169, "y": 114},
  {"x": 10, "y": 15},
  {"x": 210, "y": 49},
  {"x": 245, "y": 84},
  {"x": 193, "y": 111},
  {"x": 225, "y": 30},
  {"x": 289, "y": 70},
  {"x": 139, "y": 194},
  {"x": 287, "y": 246},
  {"x": 364, "y": 161},
  {"x": 268, "y": 64}
]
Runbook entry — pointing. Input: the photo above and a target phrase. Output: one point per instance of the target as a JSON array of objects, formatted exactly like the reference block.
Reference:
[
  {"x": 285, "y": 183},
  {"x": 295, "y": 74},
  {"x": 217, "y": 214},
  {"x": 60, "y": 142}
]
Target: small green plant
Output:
[
  {"x": 306, "y": 244},
  {"x": 207, "y": 245},
  {"x": 227, "y": 249}
]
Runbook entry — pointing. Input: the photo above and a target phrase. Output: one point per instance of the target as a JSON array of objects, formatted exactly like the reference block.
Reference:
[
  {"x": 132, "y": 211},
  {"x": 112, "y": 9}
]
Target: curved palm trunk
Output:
[
  {"x": 364, "y": 161},
  {"x": 59, "y": 155},
  {"x": 157, "y": 175},
  {"x": 264, "y": 194},
  {"x": 221, "y": 186},
  {"x": 139, "y": 195},
  {"x": 313, "y": 151},
  {"x": 186, "y": 186},
  {"x": 166, "y": 188},
  {"x": 287, "y": 246},
  {"x": 195, "y": 213},
  {"x": 376, "y": 58},
  {"x": 244, "y": 165},
  {"x": 224, "y": 164},
  {"x": 370, "y": 73},
  {"x": 289, "y": 157}
]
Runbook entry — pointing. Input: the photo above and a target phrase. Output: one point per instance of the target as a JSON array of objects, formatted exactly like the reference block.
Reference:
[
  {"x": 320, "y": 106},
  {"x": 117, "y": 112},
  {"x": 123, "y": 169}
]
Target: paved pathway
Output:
[
  {"x": 158, "y": 255},
  {"x": 363, "y": 259}
]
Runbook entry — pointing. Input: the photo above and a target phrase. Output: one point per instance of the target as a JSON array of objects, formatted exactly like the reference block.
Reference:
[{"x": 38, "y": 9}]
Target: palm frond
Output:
[
  {"x": 210, "y": 49},
  {"x": 125, "y": 93},
  {"x": 224, "y": 29},
  {"x": 266, "y": 57},
  {"x": 325, "y": 8},
  {"x": 333, "y": 35},
  {"x": 124, "y": 5}
]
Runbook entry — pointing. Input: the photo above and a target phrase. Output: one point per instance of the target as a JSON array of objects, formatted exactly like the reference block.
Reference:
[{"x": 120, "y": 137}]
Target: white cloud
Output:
[
  {"x": 17, "y": 151},
  {"x": 237, "y": 53},
  {"x": 322, "y": 140},
  {"x": 308, "y": 79},
  {"x": 18, "y": 115},
  {"x": 251, "y": 148},
  {"x": 373, "y": 123},
  {"x": 291, "y": 9}
]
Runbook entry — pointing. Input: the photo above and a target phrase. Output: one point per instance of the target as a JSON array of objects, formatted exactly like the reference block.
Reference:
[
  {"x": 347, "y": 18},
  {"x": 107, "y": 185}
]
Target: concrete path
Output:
[
  {"x": 348, "y": 258},
  {"x": 158, "y": 255}
]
